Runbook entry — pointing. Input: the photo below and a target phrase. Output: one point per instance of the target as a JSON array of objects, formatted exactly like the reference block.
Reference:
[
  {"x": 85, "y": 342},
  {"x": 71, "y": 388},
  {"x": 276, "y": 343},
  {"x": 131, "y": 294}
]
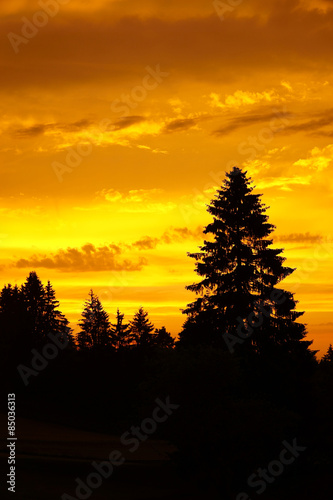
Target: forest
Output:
[{"x": 242, "y": 372}]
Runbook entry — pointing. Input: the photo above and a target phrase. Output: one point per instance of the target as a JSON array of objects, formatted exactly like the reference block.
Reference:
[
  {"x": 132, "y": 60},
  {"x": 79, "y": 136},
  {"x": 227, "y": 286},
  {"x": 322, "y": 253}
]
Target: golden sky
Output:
[{"x": 118, "y": 121}]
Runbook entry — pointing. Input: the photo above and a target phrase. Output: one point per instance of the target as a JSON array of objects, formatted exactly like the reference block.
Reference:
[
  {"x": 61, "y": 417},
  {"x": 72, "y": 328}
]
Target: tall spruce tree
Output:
[
  {"x": 95, "y": 325},
  {"x": 240, "y": 304},
  {"x": 141, "y": 329}
]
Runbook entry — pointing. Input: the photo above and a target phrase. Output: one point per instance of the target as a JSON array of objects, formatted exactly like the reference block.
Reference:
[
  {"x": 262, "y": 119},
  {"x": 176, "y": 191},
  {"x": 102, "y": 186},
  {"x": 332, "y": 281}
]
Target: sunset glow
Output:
[{"x": 118, "y": 122}]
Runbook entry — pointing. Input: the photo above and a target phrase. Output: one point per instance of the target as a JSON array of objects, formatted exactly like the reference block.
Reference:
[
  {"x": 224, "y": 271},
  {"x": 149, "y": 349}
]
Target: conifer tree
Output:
[
  {"x": 29, "y": 313},
  {"x": 328, "y": 357},
  {"x": 55, "y": 321},
  {"x": 163, "y": 339},
  {"x": 95, "y": 324},
  {"x": 33, "y": 295},
  {"x": 240, "y": 302},
  {"x": 13, "y": 319},
  {"x": 141, "y": 329},
  {"x": 120, "y": 333}
]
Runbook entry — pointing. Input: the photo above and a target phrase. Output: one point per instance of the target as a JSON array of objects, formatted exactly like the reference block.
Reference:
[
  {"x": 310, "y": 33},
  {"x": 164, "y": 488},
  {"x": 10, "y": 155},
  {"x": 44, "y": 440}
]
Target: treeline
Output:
[
  {"x": 29, "y": 314},
  {"x": 96, "y": 330}
]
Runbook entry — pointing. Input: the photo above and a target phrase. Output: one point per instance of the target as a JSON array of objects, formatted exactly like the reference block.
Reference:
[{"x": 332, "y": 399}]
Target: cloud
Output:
[
  {"x": 323, "y": 119},
  {"x": 137, "y": 200},
  {"x": 172, "y": 235},
  {"x": 84, "y": 259},
  {"x": 133, "y": 195},
  {"x": 320, "y": 5},
  {"x": 246, "y": 120},
  {"x": 108, "y": 257},
  {"x": 299, "y": 238},
  {"x": 120, "y": 47},
  {"x": 180, "y": 124},
  {"x": 127, "y": 121},
  {"x": 241, "y": 98},
  {"x": 146, "y": 243},
  {"x": 319, "y": 160},
  {"x": 284, "y": 183},
  {"x": 178, "y": 234},
  {"x": 43, "y": 128}
]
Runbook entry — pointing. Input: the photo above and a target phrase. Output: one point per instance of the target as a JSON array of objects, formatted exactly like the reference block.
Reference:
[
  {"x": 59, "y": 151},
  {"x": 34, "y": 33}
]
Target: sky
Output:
[{"x": 118, "y": 123}]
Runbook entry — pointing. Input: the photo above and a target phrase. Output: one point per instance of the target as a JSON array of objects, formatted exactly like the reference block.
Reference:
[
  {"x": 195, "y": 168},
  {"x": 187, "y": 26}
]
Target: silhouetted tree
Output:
[
  {"x": 163, "y": 339},
  {"x": 95, "y": 324},
  {"x": 55, "y": 321},
  {"x": 141, "y": 329},
  {"x": 33, "y": 294},
  {"x": 240, "y": 304},
  {"x": 120, "y": 333},
  {"x": 28, "y": 314},
  {"x": 13, "y": 320},
  {"x": 328, "y": 357}
]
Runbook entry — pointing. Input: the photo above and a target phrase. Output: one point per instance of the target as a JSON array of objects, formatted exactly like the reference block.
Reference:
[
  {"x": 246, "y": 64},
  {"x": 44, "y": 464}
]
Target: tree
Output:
[
  {"x": 95, "y": 324},
  {"x": 33, "y": 295},
  {"x": 13, "y": 320},
  {"x": 55, "y": 321},
  {"x": 141, "y": 329},
  {"x": 328, "y": 357},
  {"x": 240, "y": 304},
  {"x": 120, "y": 332},
  {"x": 163, "y": 339},
  {"x": 29, "y": 313}
]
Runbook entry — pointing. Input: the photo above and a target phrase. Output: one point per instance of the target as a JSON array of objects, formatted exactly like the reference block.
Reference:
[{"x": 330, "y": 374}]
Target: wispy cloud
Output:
[
  {"x": 298, "y": 238},
  {"x": 248, "y": 119},
  {"x": 44, "y": 128},
  {"x": 180, "y": 124},
  {"x": 127, "y": 121},
  {"x": 284, "y": 183}
]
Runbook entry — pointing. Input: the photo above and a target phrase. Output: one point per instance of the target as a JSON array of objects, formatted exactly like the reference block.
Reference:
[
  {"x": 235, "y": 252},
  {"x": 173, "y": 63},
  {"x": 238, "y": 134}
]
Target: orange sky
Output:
[{"x": 118, "y": 121}]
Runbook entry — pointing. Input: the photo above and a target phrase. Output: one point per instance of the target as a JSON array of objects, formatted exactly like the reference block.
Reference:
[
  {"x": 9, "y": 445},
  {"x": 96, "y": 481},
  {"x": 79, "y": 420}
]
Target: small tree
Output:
[
  {"x": 120, "y": 333},
  {"x": 95, "y": 325},
  {"x": 328, "y": 357},
  {"x": 14, "y": 334},
  {"x": 55, "y": 321},
  {"x": 163, "y": 339},
  {"x": 141, "y": 329}
]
